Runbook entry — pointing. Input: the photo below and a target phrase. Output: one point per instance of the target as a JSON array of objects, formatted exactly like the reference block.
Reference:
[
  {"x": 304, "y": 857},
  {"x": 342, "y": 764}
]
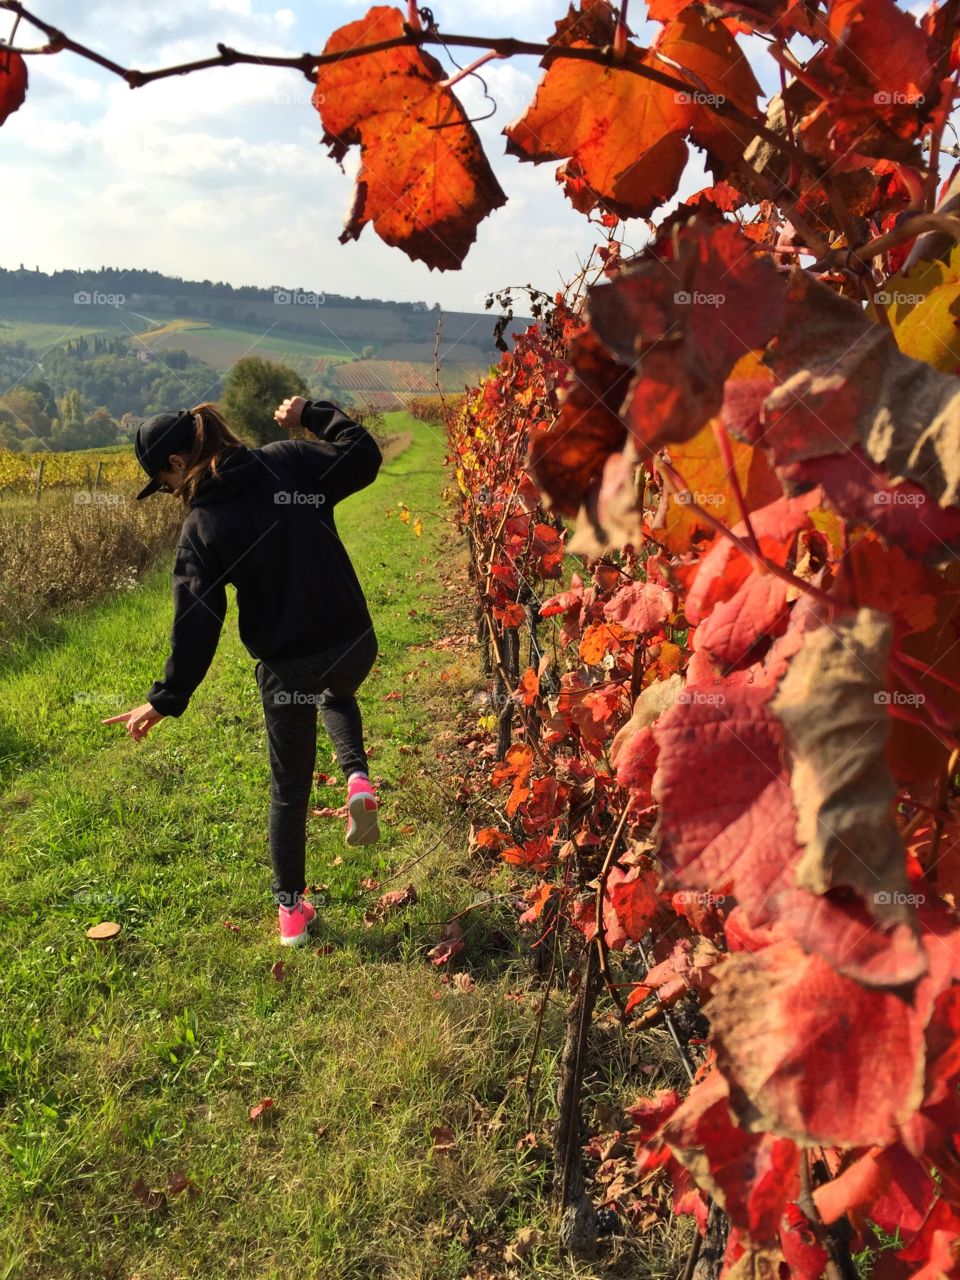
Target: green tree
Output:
[
  {"x": 9, "y": 435},
  {"x": 27, "y": 409},
  {"x": 252, "y": 390}
]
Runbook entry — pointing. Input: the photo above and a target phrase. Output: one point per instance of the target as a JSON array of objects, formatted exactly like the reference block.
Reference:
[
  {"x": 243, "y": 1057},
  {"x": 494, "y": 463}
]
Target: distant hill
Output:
[{"x": 140, "y": 301}]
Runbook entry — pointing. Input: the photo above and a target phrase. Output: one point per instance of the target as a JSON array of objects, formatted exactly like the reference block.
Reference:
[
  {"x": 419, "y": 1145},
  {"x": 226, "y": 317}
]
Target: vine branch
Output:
[{"x": 496, "y": 46}]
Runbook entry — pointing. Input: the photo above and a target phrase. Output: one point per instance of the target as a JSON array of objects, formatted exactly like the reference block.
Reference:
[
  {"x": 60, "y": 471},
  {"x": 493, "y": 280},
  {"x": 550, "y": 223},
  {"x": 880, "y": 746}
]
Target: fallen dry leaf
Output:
[
  {"x": 258, "y": 1111},
  {"x": 444, "y": 1141},
  {"x": 152, "y": 1199},
  {"x": 524, "y": 1243},
  {"x": 445, "y": 951},
  {"x": 179, "y": 1182},
  {"x": 103, "y": 931},
  {"x": 395, "y": 899}
]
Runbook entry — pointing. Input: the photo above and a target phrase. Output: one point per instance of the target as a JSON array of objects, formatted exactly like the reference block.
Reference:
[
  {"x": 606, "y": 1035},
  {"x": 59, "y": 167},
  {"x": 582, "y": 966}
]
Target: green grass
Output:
[{"x": 139, "y": 1059}]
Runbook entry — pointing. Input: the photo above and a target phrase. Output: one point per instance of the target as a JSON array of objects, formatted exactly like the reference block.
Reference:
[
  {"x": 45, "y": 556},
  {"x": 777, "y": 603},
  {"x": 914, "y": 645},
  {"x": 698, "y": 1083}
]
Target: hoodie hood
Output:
[{"x": 235, "y": 473}]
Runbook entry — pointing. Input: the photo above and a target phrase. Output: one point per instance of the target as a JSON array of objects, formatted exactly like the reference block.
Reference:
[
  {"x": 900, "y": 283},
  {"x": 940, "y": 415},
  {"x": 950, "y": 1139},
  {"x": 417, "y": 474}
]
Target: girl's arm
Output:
[
  {"x": 344, "y": 458},
  {"x": 200, "y": 605}
]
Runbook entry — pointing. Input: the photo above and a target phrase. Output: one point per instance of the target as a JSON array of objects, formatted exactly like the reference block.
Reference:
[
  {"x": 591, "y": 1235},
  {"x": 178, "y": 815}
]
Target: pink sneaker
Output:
[
  {"x": 295, "y": 923},
  {"x": 363, "y": 826}
]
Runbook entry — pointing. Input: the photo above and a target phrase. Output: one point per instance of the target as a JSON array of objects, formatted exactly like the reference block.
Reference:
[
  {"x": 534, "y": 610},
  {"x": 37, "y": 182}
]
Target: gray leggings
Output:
[{"x": 291, "y": 691}]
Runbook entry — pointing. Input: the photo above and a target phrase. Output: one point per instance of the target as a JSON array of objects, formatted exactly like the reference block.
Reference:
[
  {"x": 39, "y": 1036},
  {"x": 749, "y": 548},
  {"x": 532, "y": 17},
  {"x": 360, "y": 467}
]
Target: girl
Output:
[{"x": 263, "y": 520}]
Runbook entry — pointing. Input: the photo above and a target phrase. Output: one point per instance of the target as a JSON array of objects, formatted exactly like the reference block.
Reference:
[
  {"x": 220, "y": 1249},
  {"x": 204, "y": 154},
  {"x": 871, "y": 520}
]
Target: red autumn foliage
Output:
[{"x": 753, "y": 426}]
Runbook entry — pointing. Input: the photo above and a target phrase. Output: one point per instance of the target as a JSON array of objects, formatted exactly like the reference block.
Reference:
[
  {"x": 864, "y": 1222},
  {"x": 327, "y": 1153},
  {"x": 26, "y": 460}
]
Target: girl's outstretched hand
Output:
[
  {"x": 139, "y": 721},
  {"x": 289, "y": 412}
]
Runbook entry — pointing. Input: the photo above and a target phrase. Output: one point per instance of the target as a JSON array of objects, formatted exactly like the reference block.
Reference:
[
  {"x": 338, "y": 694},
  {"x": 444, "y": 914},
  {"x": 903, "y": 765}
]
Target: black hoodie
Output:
[{"x": 265, "y": 523}]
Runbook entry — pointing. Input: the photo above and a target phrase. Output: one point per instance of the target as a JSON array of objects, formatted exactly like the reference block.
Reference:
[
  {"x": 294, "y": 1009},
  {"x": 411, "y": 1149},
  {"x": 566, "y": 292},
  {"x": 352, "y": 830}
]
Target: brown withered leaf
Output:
[
  {"x": 843, "y": 382},
  {"x": 832, "y": 703}
]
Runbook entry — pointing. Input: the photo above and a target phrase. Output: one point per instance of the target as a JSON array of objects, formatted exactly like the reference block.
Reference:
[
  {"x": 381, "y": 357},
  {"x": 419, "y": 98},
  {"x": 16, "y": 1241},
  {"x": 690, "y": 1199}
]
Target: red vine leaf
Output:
[
  {"x": 636, "y": 902},
  {"x": 516, "y": 767},
  {"x": 777, "y": 1011},
  {"x": 699, "y": 303},
  {"x": 725, "y": 804},
  {"x": 13, "y": 84},
  {"x": 567, "y": 459},
  {"x": 725, "y": 567},
  {"x": 752, "y": 1176},
  {"x": 424, "y": 181},
  {"x": 640, "y": 607},
  {"x": 623, "y": 133}
]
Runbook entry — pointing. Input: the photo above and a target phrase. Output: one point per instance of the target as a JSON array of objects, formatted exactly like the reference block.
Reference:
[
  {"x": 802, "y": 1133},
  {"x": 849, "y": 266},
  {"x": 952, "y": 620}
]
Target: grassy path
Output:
[{"x": 129, "y": 1067}]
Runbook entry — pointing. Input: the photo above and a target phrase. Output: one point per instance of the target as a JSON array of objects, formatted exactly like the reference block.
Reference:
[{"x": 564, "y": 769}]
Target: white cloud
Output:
[{"x": 220, "y": 175}]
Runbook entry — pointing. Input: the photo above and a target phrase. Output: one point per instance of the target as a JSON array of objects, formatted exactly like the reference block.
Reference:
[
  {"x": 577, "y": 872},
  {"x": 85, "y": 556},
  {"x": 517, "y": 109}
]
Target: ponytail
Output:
[{"x": 214, "y": 441}]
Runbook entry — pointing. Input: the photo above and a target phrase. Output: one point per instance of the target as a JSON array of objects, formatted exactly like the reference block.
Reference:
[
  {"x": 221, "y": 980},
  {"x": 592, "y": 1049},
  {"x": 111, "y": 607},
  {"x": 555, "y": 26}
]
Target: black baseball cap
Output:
[{"x": 157, "y": 438}]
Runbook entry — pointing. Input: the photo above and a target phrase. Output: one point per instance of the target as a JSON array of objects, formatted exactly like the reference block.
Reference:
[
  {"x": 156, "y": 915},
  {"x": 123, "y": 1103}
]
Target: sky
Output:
[{"x": 220, "y": 174}]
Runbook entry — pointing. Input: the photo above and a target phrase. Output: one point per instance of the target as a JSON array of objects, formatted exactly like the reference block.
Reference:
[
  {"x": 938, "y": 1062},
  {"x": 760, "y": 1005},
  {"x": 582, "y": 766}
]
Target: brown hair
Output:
[{"x": 214, "y": 442}]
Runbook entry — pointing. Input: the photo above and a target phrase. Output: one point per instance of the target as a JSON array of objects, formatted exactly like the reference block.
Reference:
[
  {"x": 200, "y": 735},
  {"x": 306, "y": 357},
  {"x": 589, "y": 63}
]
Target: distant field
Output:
[
  {"x": 408, "y": 376},
  {"x": 171, "y": 327},
  {"x": 97, "y": 450},
  {"x": 42, "y": 334},
  {"x": 223, "y": 345}
]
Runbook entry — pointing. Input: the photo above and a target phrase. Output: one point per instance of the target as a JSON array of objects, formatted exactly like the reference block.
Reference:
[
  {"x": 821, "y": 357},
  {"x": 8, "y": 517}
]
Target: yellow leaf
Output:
[{"x": 923, "y": 306}]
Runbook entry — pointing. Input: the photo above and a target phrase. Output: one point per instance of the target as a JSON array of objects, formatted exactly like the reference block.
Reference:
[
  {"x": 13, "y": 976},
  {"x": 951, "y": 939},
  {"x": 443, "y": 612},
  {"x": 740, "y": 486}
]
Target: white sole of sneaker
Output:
[{"x": 364, "y": 824}]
